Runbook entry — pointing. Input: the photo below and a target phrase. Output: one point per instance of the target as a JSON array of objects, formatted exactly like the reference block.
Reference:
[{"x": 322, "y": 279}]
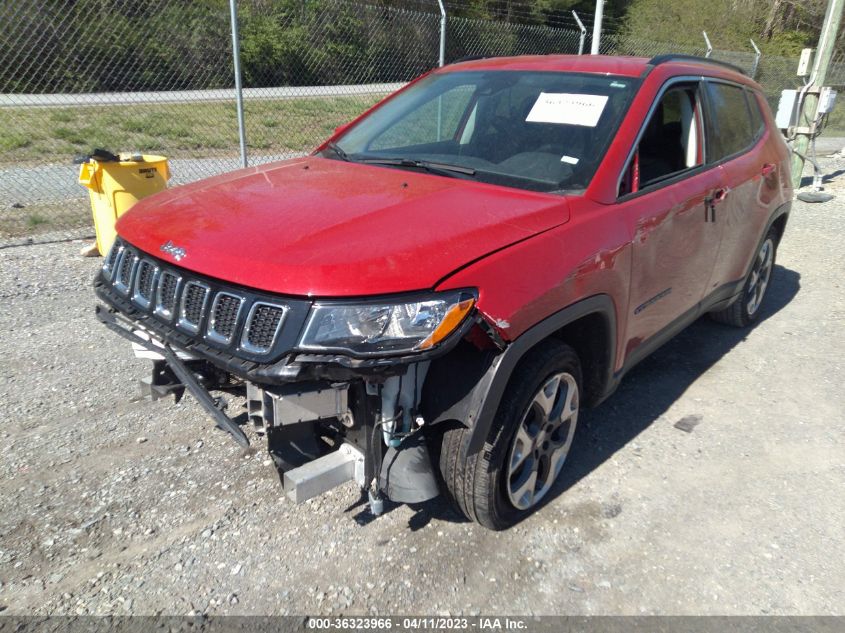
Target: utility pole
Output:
[
  {"x": 594, "y": 47},
  {"x": 807, "y": 115}
]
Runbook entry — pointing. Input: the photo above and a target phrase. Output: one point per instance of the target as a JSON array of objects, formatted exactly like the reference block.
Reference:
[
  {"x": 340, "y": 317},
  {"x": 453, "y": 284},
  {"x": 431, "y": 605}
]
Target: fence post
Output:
[
  {"x": 583, "y": 33},
  {"x": 709, "y": 45},
  {"x": 442, "y": 59},
  {"x": 594, "y": 45},
  {"x": 239, "y": 94},
  {"x": 757, "y": 55}
]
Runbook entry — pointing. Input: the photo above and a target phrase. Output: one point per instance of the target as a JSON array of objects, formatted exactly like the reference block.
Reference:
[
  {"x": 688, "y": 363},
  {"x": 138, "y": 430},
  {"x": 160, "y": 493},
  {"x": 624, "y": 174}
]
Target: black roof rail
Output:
[
  {"x": 471, "y": 58},
  {"x": 678, "y": 57}
]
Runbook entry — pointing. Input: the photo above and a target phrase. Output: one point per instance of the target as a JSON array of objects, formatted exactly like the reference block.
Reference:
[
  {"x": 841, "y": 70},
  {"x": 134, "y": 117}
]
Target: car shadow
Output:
[
  {"x": 663, "y": 377},
  {"x": 806, "y": 181}
]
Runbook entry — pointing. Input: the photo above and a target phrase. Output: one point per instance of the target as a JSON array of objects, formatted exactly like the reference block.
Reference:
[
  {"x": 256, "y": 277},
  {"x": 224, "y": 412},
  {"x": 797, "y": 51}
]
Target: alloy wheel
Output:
[
  {"x": 760, "y": 275},
  {"x": 542, "y": 441}
]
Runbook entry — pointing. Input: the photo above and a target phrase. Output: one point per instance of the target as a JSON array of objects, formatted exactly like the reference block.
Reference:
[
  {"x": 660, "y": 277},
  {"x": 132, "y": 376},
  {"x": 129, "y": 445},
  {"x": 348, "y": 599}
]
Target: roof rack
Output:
[
  {"x": 471, "y": 58},
  {"x": 677, "y": 57}
]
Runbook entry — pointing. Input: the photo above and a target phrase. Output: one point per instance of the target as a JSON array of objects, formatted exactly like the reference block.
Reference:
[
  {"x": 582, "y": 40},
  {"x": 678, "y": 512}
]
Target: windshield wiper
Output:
[
  {"x": 338, "y": 151},
  {"x": 441, "y": 169}
]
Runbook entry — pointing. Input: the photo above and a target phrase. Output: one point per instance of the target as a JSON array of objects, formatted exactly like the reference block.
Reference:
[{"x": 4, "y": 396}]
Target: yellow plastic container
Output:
[{"x": 115, "y": 186}]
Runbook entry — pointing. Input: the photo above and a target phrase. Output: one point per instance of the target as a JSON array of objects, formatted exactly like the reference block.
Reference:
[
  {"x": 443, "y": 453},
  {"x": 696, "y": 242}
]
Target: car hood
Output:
[{"x": 321, "y": 227}]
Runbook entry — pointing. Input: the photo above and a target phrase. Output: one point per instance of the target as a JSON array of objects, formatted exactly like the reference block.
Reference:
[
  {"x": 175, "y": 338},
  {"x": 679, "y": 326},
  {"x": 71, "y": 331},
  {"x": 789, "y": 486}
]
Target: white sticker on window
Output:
[
  {"x": 571, "y": 160},
  {"x": 567, "y": 109}
]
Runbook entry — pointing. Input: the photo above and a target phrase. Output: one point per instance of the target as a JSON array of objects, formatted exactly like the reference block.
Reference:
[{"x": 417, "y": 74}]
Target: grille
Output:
[
  {"x": 144, "y": 283},
  {"x": 111, "y": 260},
  {"x": 124, "y": 271},
  {"x": 262, "y": 328},
  {"x": 193, "y": 304},
  {"x": 224, "y": 316},
  {"x": 167, "y": 288}
]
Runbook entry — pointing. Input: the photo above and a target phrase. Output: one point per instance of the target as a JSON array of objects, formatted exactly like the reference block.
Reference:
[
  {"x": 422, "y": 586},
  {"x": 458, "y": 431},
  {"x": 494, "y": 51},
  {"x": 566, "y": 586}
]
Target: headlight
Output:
[{"x": 373, "y": 328}]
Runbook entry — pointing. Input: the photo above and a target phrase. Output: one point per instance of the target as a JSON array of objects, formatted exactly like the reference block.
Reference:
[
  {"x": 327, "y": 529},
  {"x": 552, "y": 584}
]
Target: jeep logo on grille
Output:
[{"x": 171, "y": 249}]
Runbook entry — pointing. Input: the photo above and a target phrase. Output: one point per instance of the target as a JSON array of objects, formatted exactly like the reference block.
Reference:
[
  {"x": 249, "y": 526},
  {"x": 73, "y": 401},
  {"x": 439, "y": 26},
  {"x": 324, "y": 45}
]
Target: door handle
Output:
[{"x": 767, "y": 169}]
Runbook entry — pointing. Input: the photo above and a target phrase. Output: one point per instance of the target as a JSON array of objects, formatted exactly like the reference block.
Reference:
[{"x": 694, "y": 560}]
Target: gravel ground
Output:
[{"x": 114, "y": 505}]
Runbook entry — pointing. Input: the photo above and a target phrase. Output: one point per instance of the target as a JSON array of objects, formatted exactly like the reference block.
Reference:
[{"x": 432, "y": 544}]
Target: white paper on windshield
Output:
[
  {"x": 567, "y": 109},
  {"x": 569, "y": 160}
]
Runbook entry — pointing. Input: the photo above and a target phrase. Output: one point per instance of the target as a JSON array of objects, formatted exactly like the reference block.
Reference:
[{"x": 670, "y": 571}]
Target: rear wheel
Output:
[
  {"x": 746, "y": 308},
  {"x": 527, "y": 445}
]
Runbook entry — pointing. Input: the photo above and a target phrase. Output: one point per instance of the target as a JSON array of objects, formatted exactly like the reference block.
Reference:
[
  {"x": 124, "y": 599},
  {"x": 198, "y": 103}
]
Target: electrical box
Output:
[
  {"x": 827, "y": 99},
  {"x": 786, "y": 109},
  {"x": 805, "y": 62}
]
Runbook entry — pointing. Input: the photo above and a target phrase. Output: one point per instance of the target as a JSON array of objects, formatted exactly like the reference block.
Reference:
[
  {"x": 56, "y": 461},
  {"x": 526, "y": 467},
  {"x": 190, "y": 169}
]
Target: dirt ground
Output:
[{"x": 114, "y": 505}]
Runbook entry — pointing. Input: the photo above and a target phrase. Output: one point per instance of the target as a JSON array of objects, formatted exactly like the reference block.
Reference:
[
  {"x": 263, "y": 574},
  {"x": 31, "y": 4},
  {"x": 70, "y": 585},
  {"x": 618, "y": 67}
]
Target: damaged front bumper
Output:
[
  {"x": 320, "y": 434},
  {"x": 178, "y": 367},
  {"x": 335, "y": 414}
]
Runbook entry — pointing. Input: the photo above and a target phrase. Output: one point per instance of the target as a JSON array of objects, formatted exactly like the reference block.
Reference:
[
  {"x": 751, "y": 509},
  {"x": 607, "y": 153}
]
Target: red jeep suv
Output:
[{"x": 425, "y": 303}]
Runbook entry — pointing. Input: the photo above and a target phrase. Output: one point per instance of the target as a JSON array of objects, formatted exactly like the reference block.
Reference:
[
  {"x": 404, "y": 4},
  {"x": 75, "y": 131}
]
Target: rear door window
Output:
[{"x": 730, "y": 129}]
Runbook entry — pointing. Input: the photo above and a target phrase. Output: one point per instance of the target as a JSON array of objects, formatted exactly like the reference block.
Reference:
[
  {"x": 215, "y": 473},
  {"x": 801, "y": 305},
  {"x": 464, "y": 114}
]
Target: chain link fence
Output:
[
  {"x": 308, "y": 71},
  {"x": 773, "y": 73},
  {"x": 74, "y": 77},
  {"x": 158, "y": 77},
  {"x": 471, "y": 38}
]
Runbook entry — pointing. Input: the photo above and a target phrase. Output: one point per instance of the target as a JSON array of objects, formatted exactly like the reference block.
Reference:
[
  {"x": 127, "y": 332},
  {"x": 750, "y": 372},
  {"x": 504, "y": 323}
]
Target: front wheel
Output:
[
  {"x": 527, "y": 445},
  {"x": 746, "y": 308}
]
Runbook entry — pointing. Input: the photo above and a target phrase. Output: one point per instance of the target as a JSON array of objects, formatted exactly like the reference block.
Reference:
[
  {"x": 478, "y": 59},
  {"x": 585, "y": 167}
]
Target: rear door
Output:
[
  {"x": 750, "y": 179},
  {"x": 664, "y": 196}
]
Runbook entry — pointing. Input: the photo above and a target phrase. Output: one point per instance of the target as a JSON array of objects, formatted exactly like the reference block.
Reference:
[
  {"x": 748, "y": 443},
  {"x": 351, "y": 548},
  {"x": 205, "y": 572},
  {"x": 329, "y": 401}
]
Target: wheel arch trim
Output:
[
  {"x": 780, "y": 214},
  {"x": 487, "y": 395}
]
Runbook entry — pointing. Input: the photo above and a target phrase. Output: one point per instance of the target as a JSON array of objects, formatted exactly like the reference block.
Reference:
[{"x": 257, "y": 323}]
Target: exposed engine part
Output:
[
  {"x": 347, "y": 419},
  {"x": 324, "y": 473},
  {"x": 161, "y": 383},
  {"x": 293, "y": 445},
  {"x": 399, "y": 398},
  {"x": 209, "y": 403},
  {"x": 300, "y": 402},
  {"x": 406, "y": 472},
  {"x": 372, "y": 388}
]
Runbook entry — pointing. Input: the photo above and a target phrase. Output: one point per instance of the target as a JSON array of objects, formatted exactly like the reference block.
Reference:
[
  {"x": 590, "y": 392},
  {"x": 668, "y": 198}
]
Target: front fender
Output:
[{"x": 478, "y": 379}]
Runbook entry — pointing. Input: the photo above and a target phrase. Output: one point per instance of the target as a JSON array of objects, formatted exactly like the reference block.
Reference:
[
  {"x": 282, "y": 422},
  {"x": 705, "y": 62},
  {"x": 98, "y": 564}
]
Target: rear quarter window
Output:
[
  {"x": 730, "y": 129},
  {"x": 758, "y": 123}
]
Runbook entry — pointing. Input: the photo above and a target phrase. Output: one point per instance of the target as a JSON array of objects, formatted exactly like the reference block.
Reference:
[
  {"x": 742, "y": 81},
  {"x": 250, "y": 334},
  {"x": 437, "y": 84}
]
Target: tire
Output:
[
  {"x": 484, "y": 487},
  {"x": 746, "y": 309}
]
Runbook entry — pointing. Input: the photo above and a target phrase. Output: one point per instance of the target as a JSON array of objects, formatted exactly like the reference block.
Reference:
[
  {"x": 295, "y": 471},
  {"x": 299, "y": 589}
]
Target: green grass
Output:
[
  {"x": 34, "y": 136},
  {"x": 13, "y": 141},
  {"x": 836, "y": 123},
  {"x": 56, "y": 135},
  {"x": 45, "y": 217},
  {"x": 34, "y": 220}
]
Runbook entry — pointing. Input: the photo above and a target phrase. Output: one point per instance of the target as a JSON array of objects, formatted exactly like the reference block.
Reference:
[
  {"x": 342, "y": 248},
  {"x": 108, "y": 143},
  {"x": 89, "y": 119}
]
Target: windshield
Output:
[{"x": 543, "y": 131}]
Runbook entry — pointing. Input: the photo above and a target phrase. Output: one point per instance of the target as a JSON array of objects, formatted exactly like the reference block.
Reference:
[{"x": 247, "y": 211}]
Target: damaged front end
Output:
[{"x": 335, "y": 387}]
